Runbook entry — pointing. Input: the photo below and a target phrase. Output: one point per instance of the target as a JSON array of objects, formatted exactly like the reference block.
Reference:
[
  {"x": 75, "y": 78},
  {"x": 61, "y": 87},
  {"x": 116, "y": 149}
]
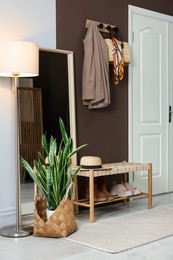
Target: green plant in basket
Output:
[{"x": 53, "y": 175}]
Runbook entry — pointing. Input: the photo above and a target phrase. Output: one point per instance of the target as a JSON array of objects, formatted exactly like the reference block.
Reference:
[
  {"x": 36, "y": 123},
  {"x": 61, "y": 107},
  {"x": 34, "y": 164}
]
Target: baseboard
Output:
[{"x": 7, "y": 217}]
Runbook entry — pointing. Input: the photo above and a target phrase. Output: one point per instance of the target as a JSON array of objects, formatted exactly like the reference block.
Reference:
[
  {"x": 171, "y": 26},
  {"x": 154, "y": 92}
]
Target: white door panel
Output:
[
  {"x": 149, "y": 100},
  {"x": 170, "y": 71}
]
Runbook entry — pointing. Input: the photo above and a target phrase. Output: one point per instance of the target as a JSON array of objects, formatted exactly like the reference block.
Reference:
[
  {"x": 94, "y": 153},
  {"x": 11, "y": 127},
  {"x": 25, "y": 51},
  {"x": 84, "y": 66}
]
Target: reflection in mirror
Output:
[{"x": 56, "y": 81}]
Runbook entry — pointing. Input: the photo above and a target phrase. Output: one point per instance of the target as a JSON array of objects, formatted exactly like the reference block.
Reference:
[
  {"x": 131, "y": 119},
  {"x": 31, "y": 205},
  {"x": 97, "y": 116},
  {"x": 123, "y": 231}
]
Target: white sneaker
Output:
[
  {"x": 120, "y": 190},
  {"x": 135, "y": 191}
]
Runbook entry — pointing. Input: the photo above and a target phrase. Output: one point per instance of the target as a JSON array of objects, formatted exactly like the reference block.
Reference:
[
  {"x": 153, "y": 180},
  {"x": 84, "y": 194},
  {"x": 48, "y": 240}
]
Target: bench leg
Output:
[
  {"x": 125, "y": 179},
  {"x": 76, "y": 207},
  {"x": 150, "y": 186},
  {"x": 91, "y": 195}
]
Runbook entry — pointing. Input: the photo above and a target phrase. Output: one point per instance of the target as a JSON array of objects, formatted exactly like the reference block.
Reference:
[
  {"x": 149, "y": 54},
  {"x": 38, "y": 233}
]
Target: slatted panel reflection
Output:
[{"x": 30, "y": 123}]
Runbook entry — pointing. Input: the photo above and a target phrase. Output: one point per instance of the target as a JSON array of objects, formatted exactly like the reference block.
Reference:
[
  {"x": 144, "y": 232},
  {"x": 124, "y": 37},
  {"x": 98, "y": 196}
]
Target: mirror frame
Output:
[{"x": 71, "y": 93}]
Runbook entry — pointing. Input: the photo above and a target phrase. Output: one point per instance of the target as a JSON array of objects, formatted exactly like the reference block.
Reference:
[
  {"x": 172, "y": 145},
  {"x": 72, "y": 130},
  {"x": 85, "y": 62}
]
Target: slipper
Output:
[
  {"x": 129, "y": 187},
  {"x": 120, "y": 190}
]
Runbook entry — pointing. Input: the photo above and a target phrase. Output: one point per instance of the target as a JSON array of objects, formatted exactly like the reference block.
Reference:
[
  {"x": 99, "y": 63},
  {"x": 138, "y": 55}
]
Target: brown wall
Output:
[{"x": 106, "y": 129}]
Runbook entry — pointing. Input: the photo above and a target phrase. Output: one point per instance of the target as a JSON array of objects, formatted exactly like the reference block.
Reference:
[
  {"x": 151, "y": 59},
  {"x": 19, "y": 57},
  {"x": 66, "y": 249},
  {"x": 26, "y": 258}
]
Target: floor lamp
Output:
[{"x": 17, "y": 59}]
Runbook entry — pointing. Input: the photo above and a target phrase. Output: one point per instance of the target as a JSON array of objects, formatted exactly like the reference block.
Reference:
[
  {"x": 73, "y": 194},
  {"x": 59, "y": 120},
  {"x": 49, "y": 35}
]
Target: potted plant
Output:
[{"x": 53, "y": 174}]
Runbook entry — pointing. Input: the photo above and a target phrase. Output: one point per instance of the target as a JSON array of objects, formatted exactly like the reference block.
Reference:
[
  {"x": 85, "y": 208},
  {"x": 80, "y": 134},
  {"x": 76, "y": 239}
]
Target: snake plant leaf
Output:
[
  {"x": 40, "y": 169},
  {"x": 63, "y": 131},
  {"x": 45, "y": 144},
  {"x": 55, "y": 173},
  {"x": 52, "y": 150},
  {"x": 49, "y": 183},
  {"x": 42, "y": 184},
  {"x": 31, "y": 172},
  {"x": 76, "y": 172},
  {"x": 66, "y": 149},
  {"x": 41, "y": 159},
  {"x": 41, "y": 176},
  {"x": 77, "y": 149},
  {"x": 53, "y": 146},
  {"x": 69, "y": 183}
]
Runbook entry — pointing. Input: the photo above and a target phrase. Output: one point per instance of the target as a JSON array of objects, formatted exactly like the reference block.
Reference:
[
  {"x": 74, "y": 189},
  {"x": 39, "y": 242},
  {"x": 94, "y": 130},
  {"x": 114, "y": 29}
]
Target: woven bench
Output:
[{"x": 112, "y": 169}]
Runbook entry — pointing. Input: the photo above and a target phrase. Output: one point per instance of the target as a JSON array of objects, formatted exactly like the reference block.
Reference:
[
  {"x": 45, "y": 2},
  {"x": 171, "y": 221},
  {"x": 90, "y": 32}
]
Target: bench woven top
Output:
[{"x": 115, "y": 168}]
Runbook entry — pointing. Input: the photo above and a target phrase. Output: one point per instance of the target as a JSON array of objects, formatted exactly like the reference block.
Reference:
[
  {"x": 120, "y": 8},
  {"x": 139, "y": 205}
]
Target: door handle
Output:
[{"x": 170, "y": 112}]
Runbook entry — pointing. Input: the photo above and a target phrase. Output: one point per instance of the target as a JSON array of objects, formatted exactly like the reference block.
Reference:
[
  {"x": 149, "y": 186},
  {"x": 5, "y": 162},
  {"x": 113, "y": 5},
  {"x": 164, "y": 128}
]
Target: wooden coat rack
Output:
[{"x": 103, "y": 27}]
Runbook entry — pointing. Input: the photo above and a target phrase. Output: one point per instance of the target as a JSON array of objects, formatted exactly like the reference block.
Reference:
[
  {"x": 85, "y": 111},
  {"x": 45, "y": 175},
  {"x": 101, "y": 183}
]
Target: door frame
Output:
[{"x": 145, "y": 12}]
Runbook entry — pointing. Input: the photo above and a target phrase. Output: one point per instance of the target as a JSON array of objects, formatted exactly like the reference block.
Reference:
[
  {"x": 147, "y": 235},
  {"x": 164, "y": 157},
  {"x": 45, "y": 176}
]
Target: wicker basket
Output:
[{"x": 61, "y": 223}]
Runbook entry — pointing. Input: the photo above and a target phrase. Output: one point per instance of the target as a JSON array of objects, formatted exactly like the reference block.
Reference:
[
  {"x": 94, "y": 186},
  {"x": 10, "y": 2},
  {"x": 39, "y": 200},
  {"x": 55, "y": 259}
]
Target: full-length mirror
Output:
[{"x": 55, "y": 86}]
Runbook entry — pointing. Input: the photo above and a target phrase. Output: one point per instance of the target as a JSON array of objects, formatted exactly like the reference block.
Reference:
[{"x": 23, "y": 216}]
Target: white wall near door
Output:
[
  {"x": 26, "y": 20},
  {"x": 149, "y": 93},
  {"x": 29, "y": 20}
]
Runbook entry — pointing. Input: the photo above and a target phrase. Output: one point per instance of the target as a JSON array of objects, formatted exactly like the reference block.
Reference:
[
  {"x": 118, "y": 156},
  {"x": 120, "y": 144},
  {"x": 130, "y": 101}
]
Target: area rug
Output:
[{"x": 122, "y": 233}]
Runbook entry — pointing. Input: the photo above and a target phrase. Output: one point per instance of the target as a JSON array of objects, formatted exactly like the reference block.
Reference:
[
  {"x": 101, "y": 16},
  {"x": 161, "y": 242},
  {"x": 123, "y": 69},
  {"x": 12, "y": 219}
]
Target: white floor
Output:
[{"x": 37, "y": 248}]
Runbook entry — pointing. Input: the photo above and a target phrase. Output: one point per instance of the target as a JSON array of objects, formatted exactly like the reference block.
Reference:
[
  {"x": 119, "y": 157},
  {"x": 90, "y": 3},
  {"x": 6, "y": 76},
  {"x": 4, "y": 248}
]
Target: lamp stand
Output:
[{"x": 16, "y": 230}]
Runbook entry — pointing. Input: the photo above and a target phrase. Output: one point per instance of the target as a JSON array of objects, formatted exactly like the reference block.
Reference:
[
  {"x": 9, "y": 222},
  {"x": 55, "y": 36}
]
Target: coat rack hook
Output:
[
  {"x": 103, "y": 27},
  {"x": 115, "y": 29},
  {"x": 100, "y": 25},
  {"x": 109, "y": 28}
]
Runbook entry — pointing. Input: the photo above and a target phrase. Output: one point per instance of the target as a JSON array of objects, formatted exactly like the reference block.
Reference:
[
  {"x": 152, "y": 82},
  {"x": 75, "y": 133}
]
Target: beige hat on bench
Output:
[{"x": 91, "y": 162}]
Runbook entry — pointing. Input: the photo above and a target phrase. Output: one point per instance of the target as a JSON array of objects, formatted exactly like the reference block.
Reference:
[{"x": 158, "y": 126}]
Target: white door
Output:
[
  {"x": 149, "y": 96},
  {"x": 170, "y": 71}
]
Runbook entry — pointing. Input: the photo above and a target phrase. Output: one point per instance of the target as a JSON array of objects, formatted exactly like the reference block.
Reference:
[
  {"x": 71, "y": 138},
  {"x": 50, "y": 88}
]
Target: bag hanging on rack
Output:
[{"x": 125, "y": 51}]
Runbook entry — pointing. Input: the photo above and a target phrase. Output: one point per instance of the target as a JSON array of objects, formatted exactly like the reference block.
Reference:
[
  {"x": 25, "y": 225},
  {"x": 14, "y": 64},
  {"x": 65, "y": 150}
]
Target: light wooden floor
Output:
[{"x": 37, "y": 248}]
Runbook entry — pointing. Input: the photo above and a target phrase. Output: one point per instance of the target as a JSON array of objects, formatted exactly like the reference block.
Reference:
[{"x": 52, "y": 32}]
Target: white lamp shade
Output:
[{"x": 19, "y": 57}]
